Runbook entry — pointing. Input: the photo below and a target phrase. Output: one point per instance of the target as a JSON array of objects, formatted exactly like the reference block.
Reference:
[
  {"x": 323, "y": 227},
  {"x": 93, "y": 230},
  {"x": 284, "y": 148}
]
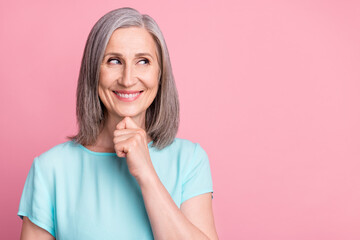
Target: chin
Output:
[{"x": 129, "y": 114}]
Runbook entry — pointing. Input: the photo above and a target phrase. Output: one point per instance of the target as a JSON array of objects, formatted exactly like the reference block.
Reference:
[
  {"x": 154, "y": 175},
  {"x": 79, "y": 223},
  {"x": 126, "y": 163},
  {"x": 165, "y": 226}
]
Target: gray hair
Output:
[{"x": 162, "y": 116}]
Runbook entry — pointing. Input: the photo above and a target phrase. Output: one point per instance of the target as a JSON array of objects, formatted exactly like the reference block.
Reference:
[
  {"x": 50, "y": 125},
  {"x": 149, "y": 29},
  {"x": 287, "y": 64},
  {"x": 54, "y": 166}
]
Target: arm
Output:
[
  {"x": 194, "y": 219},
  {"x": 199, "y": 211},
  {"x": 30, "y": 231}
]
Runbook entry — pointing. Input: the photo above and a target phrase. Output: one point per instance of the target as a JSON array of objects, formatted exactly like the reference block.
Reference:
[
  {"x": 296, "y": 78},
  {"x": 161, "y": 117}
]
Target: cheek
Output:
[
  {"x": 102, "y": 96},
  {"x": 108, "y": 75},
  {"x": 104, "y": 78},
  {"x": 152, "y": 79},
  {"x": 103, "y": 87}
]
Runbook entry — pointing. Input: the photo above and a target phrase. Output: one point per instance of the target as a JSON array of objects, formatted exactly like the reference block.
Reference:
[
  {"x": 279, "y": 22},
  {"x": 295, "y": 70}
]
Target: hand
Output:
[{"x": 130, "y": 141}]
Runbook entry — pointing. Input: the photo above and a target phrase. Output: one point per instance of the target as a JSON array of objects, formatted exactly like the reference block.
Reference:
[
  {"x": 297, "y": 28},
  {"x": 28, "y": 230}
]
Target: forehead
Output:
[{"x": 131, "y": 40}]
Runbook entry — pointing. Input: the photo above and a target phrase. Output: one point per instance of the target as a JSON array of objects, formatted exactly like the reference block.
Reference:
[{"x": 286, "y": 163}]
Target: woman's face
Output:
[{"x": 129, "y": 73}]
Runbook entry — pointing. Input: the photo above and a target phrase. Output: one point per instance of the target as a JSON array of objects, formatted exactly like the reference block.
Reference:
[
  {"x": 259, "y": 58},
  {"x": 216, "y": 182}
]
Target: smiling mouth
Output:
[{"x": 127, "y": 96}]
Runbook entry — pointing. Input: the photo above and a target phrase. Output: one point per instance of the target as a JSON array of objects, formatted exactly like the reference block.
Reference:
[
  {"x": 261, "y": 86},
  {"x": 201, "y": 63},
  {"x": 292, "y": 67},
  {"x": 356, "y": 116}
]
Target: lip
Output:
[{"x": 127, "y": 92}]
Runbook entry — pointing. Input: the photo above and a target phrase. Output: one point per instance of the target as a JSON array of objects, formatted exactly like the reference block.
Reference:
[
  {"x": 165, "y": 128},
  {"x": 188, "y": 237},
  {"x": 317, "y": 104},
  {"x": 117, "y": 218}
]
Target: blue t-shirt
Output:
[{"x": 75, "y": 193}]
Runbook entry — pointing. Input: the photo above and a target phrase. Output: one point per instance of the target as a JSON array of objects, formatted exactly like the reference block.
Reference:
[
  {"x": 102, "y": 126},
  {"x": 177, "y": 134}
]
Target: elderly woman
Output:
[{"x": 124, "y": 175}]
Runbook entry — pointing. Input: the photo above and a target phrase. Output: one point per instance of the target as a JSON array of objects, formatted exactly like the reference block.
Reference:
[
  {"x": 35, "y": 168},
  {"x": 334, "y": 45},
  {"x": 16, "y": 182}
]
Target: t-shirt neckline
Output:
[{"x": 105, "y": 153}]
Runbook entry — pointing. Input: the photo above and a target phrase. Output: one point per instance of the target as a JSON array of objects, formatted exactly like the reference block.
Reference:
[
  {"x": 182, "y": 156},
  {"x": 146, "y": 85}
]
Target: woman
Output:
[{"x": 124, "y": 175}]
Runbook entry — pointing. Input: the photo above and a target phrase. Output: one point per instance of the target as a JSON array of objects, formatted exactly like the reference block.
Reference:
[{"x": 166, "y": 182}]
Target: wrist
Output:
[{"x": 147, "y": 179}]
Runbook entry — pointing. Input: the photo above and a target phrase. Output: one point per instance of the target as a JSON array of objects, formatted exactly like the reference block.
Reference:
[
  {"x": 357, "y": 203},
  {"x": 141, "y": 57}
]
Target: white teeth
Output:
[{"x": 131, "y": 95}]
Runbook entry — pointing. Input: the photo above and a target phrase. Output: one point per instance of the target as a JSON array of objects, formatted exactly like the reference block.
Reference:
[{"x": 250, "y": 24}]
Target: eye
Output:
[
  {"x": 144, "y": 61},
  {"x": 113, "y": 61}
]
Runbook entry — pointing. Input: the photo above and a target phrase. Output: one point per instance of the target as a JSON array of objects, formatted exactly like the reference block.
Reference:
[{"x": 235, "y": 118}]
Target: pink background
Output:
[{"x": 270, "y": 89}]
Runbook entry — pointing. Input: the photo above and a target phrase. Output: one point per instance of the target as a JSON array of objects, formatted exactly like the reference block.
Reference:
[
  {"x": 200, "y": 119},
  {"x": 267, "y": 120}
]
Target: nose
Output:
[{"x": 127, "y": 77}]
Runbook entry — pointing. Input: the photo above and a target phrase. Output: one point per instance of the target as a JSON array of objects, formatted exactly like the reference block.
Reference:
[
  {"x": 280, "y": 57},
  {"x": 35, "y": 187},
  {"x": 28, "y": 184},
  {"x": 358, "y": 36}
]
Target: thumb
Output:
[
  {"x": 130, "y": 123},
  {"x": 121, "y": 124}
]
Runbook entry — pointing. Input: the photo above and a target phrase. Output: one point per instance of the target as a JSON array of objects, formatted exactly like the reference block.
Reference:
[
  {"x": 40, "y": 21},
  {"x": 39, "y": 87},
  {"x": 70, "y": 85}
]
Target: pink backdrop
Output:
[{"x": 270, "y": 89}]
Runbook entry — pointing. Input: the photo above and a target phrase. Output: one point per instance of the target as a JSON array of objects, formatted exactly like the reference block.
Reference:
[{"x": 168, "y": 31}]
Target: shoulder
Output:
[
  {"x": 183, "y": 150},
  {"x": 57, "y": 154},
  {"x": 183, "y": 144},
  {"x": 188, "y": 146},
  {"x": 180, "y": 145}
]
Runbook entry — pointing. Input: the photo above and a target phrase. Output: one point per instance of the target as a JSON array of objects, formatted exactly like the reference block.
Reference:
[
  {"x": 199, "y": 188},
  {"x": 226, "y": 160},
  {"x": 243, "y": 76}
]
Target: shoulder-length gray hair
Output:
[{"x": 162, "y": 116}]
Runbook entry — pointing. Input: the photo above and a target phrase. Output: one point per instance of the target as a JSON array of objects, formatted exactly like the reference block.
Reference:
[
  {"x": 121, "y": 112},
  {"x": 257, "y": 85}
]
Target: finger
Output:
[
  {"x": 130, "y": 123},
  {"x": 123, "y": 147},
  {"x": 124, "y": 131},
  {"x": 121, "y": 124},
  {"x": 122, "y": 138},
  {"x": 134, "y": 138}
]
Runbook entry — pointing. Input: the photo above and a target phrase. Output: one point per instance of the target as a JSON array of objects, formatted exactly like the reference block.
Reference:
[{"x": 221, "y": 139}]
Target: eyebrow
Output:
[{"x": 136, "y": 55}]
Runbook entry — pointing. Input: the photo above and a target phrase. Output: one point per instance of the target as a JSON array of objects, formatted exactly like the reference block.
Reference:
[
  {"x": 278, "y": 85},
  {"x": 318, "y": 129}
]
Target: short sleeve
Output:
[
  {"x": 197, "y": 179},
  {"x": 35, "y": 202}
]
